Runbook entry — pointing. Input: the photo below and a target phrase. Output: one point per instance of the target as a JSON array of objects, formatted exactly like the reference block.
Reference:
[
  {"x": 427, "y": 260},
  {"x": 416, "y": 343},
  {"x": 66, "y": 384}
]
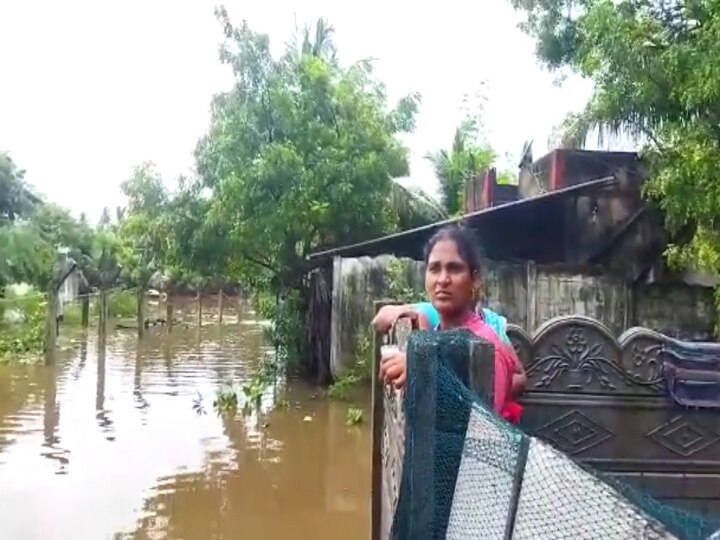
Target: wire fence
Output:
[
  {"x": 18, "y": 312},
  {"x": 29, "y": 330}
]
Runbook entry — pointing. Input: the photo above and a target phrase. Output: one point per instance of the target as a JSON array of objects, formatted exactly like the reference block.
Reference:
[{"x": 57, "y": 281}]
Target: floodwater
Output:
[{"x": 118, "y": 446}]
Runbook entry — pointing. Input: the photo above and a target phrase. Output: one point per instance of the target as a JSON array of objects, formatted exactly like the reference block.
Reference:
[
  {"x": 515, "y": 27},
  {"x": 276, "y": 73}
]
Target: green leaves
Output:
[
  {"x": 16, "y": 198},
  {"x": 25, "y": 256},
  {"x": 31, "y": 230},
  {"x": 145, "y": 191},
  {"x": 464, "y": 160},
  {"x": 300, "y": 152}
]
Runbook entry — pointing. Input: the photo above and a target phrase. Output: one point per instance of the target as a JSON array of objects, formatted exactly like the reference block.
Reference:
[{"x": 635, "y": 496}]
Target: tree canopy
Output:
[
  {"x": 16, "y": 198},
  {"x": 300, "y": 153}
]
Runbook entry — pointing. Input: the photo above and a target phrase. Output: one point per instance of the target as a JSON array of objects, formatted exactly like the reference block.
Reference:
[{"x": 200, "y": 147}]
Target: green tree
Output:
[
  {"x": 16, "y": 198},
  {"x": 31, "y": 230},
  {"x": 317, "y": 40},
  {"x": 25, "y": 256},
  {"x": 59, "y": 228},
  {"x": 198, "y": 247},
  {"x": 142, "y": 229},
  {"x": 452, "y": 167},
  {"x": 300, "y": 155},
  {"x": 656, "y": 70},
  {"x": 145, "y": 191}
]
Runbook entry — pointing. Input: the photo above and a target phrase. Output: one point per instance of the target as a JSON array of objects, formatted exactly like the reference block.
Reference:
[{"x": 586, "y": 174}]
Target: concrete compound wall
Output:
[{"x": 527, "y": 295}]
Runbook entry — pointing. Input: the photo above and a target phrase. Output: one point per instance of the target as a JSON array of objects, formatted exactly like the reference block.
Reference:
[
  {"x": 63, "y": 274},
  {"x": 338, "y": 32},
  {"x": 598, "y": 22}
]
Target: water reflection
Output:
[
  {"x": 145, "y": 464},
  {"x": 102, "y": 415},
  {"x": 140, "y": 402},
  {"x": 51, "y": 448},
  {"x": 294, "y": 479},
  {"x": 83, "y": 340}
]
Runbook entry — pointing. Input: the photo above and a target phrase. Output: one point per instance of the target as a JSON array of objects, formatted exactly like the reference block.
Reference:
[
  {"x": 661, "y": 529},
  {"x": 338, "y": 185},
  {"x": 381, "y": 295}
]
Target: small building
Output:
[
  {"x": 575, "y": 237},
  {"x": 73, "y": 283}
]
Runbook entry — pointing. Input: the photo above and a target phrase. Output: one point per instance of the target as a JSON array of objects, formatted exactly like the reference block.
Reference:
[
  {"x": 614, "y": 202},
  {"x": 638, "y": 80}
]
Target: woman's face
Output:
[{"x": 448, "y": 280}]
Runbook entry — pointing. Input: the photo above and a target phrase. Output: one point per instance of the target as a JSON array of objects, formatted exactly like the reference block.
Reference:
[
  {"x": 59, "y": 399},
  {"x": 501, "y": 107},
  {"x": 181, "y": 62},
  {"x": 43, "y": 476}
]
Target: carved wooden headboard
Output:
[{"x": 604, "y": 401}]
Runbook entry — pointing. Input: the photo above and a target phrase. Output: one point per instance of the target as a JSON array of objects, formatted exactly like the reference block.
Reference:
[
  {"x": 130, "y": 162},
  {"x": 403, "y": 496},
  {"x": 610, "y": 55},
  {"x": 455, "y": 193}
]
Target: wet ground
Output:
[{"x": 128, "y": 445}]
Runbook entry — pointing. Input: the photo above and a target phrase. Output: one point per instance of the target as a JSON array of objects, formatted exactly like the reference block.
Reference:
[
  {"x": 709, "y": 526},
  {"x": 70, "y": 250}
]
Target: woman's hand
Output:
[
  {"x": 393, "y": 370},
  {"x": 389, "y": 315}
]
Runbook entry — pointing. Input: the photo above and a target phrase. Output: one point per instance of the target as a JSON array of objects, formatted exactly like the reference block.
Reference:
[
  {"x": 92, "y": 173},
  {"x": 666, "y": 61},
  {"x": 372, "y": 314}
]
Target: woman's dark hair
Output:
[{"x": 465, "y": 241}]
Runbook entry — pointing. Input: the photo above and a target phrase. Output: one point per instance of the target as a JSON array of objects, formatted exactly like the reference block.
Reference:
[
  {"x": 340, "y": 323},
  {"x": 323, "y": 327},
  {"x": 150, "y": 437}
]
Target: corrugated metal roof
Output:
[{"x": 390, "y": 243}]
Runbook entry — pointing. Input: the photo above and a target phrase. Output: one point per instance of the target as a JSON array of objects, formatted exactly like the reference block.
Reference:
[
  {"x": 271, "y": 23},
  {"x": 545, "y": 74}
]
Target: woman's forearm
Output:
[{"x": 387, "y": 316}]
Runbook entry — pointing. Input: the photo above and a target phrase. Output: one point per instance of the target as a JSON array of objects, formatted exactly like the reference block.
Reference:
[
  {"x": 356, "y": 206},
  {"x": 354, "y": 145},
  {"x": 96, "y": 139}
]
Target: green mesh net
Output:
[{"x": 468, "y": 474}]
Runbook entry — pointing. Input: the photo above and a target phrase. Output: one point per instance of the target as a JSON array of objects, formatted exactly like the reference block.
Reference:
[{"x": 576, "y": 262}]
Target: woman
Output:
[
  {"x": 429, "y": 319},
  {"x": 451, "y": 278}
]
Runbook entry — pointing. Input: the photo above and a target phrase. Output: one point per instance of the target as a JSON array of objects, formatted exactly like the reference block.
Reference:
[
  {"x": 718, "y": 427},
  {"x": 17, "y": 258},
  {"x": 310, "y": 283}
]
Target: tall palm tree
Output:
[
  {"x": 452, "y": 168},
  {"x": 315, "y": 40},
  {"x": 414, "y": 207}
]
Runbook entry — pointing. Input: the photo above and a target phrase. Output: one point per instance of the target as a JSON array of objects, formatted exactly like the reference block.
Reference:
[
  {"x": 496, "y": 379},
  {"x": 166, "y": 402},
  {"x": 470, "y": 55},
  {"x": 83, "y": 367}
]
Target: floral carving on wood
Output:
[
  {"x": 583, "y": 354},
  {"x": 583, "y": 362},
  {"x": 645, "y": 367}
]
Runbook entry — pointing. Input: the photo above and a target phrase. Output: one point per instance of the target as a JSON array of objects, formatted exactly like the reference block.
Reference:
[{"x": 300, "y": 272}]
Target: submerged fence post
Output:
[
  {"x": 169, "y": 311},
  {"x": 199, "y": 307},
  {"x": 51, "y": 323},
  {"x": 220, "y": 306},
  {"x": 102, "y": 317},
  {"x": 51, "y": 415},
  {"x": 140, "y": 296}
]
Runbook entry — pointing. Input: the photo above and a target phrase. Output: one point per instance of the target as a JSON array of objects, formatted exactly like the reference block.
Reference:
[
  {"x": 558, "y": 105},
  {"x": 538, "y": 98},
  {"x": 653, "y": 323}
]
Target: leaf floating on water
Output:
[{"x": 198, "y": 406}]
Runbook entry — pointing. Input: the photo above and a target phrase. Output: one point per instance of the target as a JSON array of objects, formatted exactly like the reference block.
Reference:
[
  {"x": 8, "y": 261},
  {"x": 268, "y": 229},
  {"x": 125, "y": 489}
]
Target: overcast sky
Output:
[{"x": 91, "y": 88}]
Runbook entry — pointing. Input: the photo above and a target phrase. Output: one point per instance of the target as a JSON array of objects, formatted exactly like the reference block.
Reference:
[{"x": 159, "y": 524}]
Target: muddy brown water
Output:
[{"x": 115, "y": 447}]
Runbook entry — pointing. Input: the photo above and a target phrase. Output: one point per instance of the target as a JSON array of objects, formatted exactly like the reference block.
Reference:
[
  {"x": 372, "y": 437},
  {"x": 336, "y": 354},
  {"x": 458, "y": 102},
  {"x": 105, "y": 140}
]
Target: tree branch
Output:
[{"x": 259, "y": 262}]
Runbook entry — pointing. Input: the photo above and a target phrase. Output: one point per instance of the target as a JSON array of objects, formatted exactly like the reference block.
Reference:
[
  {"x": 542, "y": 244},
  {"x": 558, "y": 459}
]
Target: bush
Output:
[
  {"x": 287, "y": 332},
  {"x": 22, "y": 325},
  {"x": 72, "y": 314}
]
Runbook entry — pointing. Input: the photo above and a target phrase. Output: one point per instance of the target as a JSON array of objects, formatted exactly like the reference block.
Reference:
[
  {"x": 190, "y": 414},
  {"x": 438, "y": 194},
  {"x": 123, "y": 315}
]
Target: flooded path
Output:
[{"x": 115, "y": 448}]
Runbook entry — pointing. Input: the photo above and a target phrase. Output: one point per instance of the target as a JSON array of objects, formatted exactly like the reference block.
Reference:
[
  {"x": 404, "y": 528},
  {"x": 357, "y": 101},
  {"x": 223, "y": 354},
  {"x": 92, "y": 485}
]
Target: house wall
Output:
[
  {"x": 597, "y": 216},
  {"x": 483, "y": 191},
  {"x": 527, "y": 295},
  {"x": 357, "y": 284}
]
